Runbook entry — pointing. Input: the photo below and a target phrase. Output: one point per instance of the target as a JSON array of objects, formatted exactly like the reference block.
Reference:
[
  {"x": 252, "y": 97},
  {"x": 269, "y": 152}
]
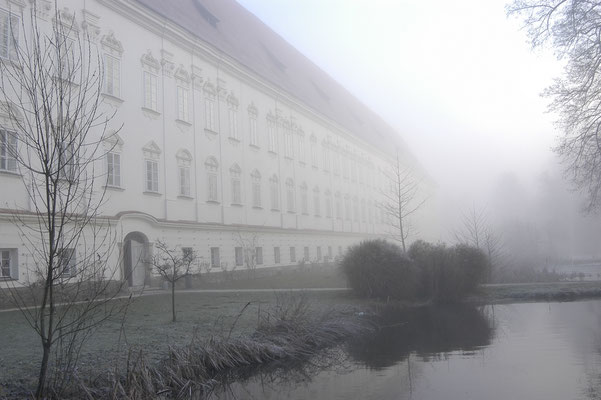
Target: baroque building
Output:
[{"x": 226, "y": 135}]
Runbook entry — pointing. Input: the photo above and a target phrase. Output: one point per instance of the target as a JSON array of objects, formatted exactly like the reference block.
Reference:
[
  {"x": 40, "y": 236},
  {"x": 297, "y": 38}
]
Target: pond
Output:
[{"x": 515, "y": 351}]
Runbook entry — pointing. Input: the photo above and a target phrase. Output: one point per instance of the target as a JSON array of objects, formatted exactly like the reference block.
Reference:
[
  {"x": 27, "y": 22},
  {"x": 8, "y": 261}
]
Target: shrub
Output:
[
  {"x": 448, "y": 274},
  {"x": 378, "y": 269}
]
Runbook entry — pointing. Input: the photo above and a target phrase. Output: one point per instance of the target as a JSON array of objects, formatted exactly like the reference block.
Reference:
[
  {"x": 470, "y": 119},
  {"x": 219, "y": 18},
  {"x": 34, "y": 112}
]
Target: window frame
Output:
[{"x": 8, "y": 140}]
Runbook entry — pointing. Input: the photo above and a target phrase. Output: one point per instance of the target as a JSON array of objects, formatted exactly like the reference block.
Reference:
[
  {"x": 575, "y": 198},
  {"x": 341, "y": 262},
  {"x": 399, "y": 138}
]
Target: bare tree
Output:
[
  {"x": 476, "y": 230},
  {"x": 173, "y": 264},
  {"x": 248, "y": 242},
  {"x": 401, "y": 199},
  {"x": 50, "y": 85},
  {"x": 573, "y": 28}
]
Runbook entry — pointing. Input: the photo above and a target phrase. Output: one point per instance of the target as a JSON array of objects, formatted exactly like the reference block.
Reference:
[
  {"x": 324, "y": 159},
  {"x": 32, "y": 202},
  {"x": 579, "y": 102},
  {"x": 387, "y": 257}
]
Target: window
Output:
[
  {"x": 259, "y": 253},
  {"x": 210, "y": 112},
  {"x": 353, "y": 170},
  {"x": 233, "y": 122},
  {"x": 183, "y": 109},
  {"x": 212, "y": 187},
  {"x": 9, "y": 35},
  {"x": 330, "y": 252},
  {"x": 314, "y": 151},
  {"x": 256, "y": 188},
  {"x": 336, "y": 163},
  {"x": 316, "y": 202},
  {"x": 290, "y": 195},
  {"x": 184, "y": 181},
  {"x": 236, "y": 184},
  {"x": 338, "y": 205},
  {"x": 328, "y": 204},
  {"x": 347, "y": 207},
  {"x": 8, "y": 151},
  {"x": 67, "y": 161},
  {"x": 288, "y": 142},
  {"x": 345, "y": 167},
  {"x": 239, "y": 256},
  {"x": 326, "y": 156},
  {"x": 66, "y": 265},
  {"x": 363, "y": 211},
  {"x": 304, "y": 199},
  {"x": 276, "y": 255},
  {"x": 67, "y": 65},
  {"x": 215, "y": 262},
  {"x": 113, "y": 162},
  {"x": 184, "y": 161},
  {"x": 274, "y": 186},
  {"x": 112, "y": 75},
  {"x": 272, "y": 140},
  {"x": 187, "y": 255},
  {"x": 150, "y": 91},
  {"x": 301, "y": 148},
  {"x": 8, "y": 264},
  {"x": 318, "y": 253},
  {"x": 355, "y": 209},
  {"x": 152, "y": 176},
  {"x": 252, "y": 125},
  {"x": 292, "y": 254},
  {"x": 306, "y": 253}
]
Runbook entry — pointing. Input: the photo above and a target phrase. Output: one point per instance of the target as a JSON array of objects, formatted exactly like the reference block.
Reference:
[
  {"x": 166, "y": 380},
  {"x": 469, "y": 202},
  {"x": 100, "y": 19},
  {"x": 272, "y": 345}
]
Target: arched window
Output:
[
  {"x": 212, "y": 167},
  {"x": 235, "y": 173},
  {"x": 290, "y": 197},
  {"x": 274, "y": 188},
  {"x": 256, "y": 188}
]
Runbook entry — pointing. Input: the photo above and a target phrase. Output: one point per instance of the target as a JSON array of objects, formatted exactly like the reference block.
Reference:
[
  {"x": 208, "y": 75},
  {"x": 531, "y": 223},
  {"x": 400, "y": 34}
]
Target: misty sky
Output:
[{"x": 458, "y": 80}]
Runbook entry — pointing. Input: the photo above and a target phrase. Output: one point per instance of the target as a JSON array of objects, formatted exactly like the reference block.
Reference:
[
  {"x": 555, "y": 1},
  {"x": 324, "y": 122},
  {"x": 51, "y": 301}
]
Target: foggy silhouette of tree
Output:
[{"x": 572, "y": 28}]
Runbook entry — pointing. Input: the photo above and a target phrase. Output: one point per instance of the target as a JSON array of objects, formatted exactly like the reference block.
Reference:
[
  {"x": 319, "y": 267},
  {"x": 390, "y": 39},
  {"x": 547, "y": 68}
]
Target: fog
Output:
[{"x": 462, "y": 85}]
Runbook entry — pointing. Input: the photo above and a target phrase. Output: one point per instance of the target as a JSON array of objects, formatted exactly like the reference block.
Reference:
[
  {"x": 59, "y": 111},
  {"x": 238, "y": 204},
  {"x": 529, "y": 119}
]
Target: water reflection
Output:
[{"x": 429, "y": 332}]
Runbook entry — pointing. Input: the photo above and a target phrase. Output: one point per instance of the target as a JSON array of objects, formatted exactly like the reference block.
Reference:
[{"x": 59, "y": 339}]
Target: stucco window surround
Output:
[
  {"x": 151, "y": 68},
  {"x": 236, "y": 184},
  {"x": 184, "y": 161},
  {"x": 212, "y": 171},
  {"x": 112, "y": 50},
  {"x": 253, "y": 139},
  {"x": 152, "y": 155}
]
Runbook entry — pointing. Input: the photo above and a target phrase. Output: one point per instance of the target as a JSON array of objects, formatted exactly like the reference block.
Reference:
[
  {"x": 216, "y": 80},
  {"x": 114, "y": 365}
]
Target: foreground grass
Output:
[{"x": 147, "y": 329}]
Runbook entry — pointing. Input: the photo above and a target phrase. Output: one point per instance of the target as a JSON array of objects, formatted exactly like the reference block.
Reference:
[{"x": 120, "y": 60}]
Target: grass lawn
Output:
[{"x": 147, "y": 327}]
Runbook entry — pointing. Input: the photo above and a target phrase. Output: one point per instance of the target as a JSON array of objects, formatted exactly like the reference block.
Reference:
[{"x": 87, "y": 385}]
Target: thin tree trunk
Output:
[
  {"x": 40, "y": 390},
  {"x": 173, "y": 299}
]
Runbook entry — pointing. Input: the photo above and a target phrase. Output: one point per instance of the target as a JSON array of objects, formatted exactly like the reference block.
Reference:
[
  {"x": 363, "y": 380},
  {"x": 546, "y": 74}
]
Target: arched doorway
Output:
[{"x": 136, "y": 252}]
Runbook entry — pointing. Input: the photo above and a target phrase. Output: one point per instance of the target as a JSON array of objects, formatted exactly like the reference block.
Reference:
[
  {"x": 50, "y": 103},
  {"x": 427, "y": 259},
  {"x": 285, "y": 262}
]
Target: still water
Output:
[{"x": 515, "y": 351}]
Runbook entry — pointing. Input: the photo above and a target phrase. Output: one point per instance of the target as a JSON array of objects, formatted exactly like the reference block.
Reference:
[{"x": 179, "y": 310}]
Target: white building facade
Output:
[{"x": 222, "y": 133}]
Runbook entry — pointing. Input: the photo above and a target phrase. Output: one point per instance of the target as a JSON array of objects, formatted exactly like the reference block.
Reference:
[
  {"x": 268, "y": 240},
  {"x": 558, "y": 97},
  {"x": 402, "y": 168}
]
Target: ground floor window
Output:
[
  {"x": 292, "y": 254},
  {"x": 276, "y": 255},
  {"x": 306, "y": 253},
  {"x": 318, "y": 253},
  {"x": 259, "y": 255},
  {"x": 239, "y": 256},
  {"x": 215, "y": 263},
  {"x": 8, "y": 263},
  {"x": 66, "y": 262}
]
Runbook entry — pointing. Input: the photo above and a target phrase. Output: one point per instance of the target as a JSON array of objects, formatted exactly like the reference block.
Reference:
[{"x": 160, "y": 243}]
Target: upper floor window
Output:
[
  {"x": 233, "y": 116},
  {"x": 301, "y": 148},
  {"x": 212, "y": 167},
  {"x": 184, "y": 160},
  {"x": 290, "y": 195},
  {"x": 113, "y": 169},
  {"x": 236, "y": 184},
  {"x": 347, "y": 207},
  {"x": 336, "y": 158},
  {"x": 314, "y": 151},
  {"x": 355, "y": 209},
  {"x": 151, "y": 154},
  {"x": 328, "y": 204},
  {"x": 326, "y": 156},
  {"x": 316, "y": 202},
  {"x": 272, "y": 140},
  {"x": 353, "y": 170},
  {"x": 256, "y": 188},
  {"x": 338, "y": 201},
  {"x": 8, "y": 151},
  {"x": 304, "y": 199},
  {"x": 363, "y": 211},
  {"x": 288, "y": 142},
  {"x": 112, "y": 75},
  {"x": 9, "y": 35},
  {"x": 151, "y": 93},
  {"x": 183, "y": 99},
  {"x": 252, "y": 125},
  {"x": 210, "y": 111},
  {"x": 274, "y": 185}
]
